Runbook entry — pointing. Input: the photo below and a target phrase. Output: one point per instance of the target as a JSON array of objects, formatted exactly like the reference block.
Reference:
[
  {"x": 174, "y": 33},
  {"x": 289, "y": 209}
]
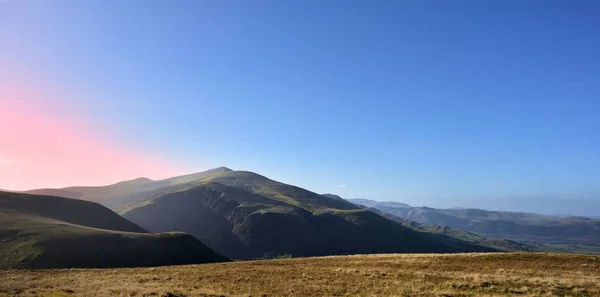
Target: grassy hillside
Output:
[
  {"x": 244, "y": 215},
  {"x": 518, "y": 226},
  {"x": 288, "y": 194},
  {"x": 507, "y": 274},
  {"x": 126, "y": 193},
  {"x": 52, "y": 232},
  {"x": 71, "y": 211}
]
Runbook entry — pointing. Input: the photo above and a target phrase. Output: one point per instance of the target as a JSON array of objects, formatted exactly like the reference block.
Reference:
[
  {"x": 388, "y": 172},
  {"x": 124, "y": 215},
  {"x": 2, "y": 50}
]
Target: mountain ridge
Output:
[
  {"x": 245, "y": 215},
  {"x": 260, "y": 217},
  {"x": 125, "y": 193}
]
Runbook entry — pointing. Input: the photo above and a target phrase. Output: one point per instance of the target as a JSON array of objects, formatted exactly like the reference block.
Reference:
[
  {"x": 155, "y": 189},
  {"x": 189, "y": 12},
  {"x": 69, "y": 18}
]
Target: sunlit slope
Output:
[
  {"x": 53, "y": 232},
  {"x": 127, "y": 193}
]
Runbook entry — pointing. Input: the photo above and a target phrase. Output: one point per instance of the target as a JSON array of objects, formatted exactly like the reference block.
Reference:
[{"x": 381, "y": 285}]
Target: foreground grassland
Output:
[{"x": 518, "y": 274}]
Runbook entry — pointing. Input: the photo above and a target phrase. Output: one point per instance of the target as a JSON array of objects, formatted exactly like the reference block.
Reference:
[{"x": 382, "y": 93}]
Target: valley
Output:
[{"x": 539, "y": 232}]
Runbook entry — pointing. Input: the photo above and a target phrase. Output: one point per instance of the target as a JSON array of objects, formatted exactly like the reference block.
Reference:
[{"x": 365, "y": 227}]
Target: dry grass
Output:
[{"x": 518, "y": 274}]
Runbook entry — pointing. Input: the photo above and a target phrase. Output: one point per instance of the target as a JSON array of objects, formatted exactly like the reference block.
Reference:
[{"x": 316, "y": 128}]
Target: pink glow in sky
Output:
[{"x": 45, "y": 145}]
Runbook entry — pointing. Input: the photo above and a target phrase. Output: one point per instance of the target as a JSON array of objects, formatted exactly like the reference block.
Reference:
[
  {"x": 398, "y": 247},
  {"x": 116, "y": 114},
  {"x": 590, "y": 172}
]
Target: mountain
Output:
[
  {"x": 244, "y": 215},
  {"x": 54, "y": 232},
  {"x": 519, "y": 226},
  {"x": 126, "y": 193}
]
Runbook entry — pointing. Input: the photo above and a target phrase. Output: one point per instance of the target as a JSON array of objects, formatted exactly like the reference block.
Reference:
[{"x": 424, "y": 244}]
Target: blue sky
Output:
[{"x": 441, "y": 103}]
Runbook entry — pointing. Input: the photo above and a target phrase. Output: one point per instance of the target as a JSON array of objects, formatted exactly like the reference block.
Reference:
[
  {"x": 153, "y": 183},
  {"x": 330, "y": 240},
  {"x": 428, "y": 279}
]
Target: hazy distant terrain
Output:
[
  {"x": 500, "y": 244},
  {"x": 507, "y": 274},
  {"x": 563, "y": 233},
  {"x": 53, "y": 232}
]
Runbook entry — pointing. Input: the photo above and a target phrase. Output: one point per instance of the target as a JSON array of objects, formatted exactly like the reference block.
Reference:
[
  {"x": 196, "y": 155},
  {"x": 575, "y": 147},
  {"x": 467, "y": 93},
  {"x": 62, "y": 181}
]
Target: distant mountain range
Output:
[
  {"x": 578, "y": 234},
  {"x": 495, "y": 243},
  {"x": 244, "y": 215},
  {"x": 54, "y": 232}
]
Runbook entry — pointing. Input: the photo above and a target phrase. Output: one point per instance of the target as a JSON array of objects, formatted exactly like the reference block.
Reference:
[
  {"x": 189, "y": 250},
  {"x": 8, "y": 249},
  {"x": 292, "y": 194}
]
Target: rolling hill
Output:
[
  {"x": 54, "y": 232},
  {"x": 519, "y": 226}
]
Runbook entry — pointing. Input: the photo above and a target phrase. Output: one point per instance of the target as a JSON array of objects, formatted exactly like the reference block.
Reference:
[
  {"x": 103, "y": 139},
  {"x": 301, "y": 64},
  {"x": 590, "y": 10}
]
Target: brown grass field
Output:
[{"x": 516, "y": 274}]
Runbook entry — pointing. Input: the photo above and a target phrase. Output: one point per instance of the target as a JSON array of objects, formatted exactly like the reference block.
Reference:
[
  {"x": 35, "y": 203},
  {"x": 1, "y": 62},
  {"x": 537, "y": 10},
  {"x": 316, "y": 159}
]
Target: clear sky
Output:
[{"x": 441, "y": 103}]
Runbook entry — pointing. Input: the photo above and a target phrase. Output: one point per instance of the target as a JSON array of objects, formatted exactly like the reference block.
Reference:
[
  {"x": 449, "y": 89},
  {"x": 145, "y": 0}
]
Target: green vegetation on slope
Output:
[
  {"x": 53, "y": 232},
  {"x": 274, "y": 190},
  {"x": 127, "y": 193},
  {"x": 244, "y": 215},
  {"x": 78, "y": 212}
]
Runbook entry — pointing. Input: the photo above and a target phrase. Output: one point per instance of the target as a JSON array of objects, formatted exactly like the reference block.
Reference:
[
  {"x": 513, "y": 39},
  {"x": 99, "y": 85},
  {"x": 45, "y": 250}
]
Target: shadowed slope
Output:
[
  {"x": 72, "y": 211},
  {"x": 53, "y": 232}
]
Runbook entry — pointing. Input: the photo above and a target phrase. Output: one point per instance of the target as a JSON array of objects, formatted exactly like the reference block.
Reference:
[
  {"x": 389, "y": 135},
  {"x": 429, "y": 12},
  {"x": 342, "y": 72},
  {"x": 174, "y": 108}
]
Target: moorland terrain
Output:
[{"x": 494, "y": 274}]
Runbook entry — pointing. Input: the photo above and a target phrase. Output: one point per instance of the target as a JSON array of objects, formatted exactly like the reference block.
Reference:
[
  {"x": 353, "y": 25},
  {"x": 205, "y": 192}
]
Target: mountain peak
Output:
[
  {"x": 142, "y": 180},
  {"x": 333, "y": 196},
  {"x": 137, "y": 181},
  {"x": 222, "y": 168}
]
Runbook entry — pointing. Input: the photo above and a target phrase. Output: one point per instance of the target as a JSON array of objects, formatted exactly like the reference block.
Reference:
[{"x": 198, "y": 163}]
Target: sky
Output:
[{"x": 489, "y": 104}]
